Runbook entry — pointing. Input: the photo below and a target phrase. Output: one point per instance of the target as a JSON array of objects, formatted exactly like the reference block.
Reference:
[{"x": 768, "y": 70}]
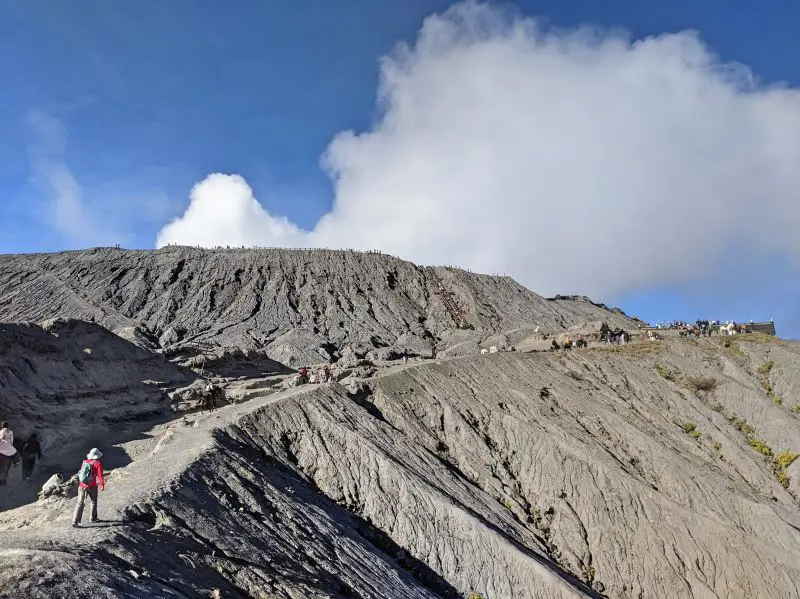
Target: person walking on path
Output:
[
  {"x": 90, "y": 478},
  {"x": 6, "y": 434},
  {"x": 7, "y": 446},
  {"x": 30, "y": 451}
]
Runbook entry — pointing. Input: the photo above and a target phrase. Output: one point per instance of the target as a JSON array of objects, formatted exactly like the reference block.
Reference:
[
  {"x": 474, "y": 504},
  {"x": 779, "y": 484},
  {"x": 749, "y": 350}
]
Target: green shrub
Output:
[
  {"x": 796, "y": 408},
  {"x": 695, "y": 434},
  {"x": 664, "y": 372},
  {"x": 588, "y": 574},
  {"x": 770, "y": 391},
  {"x": 766, "y": 367},
  {"x": 717, "y": 445},
  {"x": 785, "y": 458},
  {"x": 733, "y": 348},
  {"x": 761, "y": 447},
  {"x": 688, "y": 427},
  {"x": 782, "y": 461},
  {"x": 742, "y": 426}
]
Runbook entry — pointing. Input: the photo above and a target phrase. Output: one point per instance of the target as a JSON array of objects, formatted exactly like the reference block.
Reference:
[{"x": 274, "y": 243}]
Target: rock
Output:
[
  {"x": 465, "y": 348},
  {"x": 349, "y": 358},
  {"x": 499, "y": 341},
  {"x": 169, "y": 337},
  {"x": 598, "y": 586},
  {"x": 139, "y": 336},
  {"x": 341, "y": 374},
  {"x": 186, "y": 398},
  {"x": 296, "y": 348},
  {"x": 418, "y": 344},
  {"x": 55, "y": 488},
  {"x": 385, "y": 354},
  {"x": 49, "y": 383}
]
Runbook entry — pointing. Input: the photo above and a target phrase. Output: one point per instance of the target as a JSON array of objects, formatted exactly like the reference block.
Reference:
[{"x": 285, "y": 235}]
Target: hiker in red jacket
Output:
[{"x": 90, "y": 477}]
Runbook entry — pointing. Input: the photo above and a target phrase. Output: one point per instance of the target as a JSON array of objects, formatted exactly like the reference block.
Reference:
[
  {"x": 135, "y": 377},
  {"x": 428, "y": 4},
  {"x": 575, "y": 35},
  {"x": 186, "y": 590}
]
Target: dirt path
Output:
[
  {"x": 157, "y": 458},
  {"x": 139, "y": 461}
]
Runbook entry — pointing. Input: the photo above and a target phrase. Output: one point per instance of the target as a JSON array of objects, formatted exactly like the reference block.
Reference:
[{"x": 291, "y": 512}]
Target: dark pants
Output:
[
  {"x": 28, "y": 461},
  {"x": 83, "y": 493}
]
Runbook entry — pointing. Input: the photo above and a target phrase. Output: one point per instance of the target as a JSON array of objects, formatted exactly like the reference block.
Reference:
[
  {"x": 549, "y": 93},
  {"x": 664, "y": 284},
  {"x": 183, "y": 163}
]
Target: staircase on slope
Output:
[{"x": 448, "y": 299}]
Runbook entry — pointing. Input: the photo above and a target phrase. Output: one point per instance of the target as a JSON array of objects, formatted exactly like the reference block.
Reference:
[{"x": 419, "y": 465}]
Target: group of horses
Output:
[
  {"x": 568, "y": 344},
  {"x": 705, "y": 328}
]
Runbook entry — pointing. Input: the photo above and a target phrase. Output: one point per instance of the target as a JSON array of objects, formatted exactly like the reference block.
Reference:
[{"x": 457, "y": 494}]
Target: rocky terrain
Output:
[
  {"x": 656, "y": 469},
  {"x": 77, "y": 383},
  {"x": 294, "y": 307}
]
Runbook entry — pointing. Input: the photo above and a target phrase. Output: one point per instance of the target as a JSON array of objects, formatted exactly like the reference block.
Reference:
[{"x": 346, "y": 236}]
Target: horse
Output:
[{"x": 208, "y": 398}]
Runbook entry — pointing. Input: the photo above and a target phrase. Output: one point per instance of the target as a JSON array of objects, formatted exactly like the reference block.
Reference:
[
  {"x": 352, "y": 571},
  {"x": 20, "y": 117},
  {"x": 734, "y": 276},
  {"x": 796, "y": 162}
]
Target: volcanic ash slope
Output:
[
  {"x": 251, "y": 299},
  {"x": 648, "y": 471}
]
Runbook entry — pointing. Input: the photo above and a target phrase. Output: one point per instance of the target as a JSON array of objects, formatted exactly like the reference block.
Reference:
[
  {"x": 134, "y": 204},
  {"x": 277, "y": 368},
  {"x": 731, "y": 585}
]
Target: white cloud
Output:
[
  {"x": 107, "y": 215},
  {"x": 576, "y": 161},
  {"x": 223, "y": 211},
  {"x": 51, "y": 173}
]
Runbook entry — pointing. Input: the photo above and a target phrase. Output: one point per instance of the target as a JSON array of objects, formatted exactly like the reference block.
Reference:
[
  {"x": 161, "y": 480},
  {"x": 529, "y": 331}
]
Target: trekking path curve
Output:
[
  {"x": 156, "y": 466},
  {"x": 159, "y": 454}
]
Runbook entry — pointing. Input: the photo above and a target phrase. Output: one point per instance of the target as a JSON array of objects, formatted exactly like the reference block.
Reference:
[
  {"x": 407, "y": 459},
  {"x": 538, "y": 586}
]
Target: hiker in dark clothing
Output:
[{"x": 31, "y": 450}]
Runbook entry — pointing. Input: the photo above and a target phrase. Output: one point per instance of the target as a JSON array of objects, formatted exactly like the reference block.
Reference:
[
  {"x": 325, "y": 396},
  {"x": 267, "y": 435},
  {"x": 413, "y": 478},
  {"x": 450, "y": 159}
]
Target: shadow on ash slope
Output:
[{"x": 512, "y": 476}]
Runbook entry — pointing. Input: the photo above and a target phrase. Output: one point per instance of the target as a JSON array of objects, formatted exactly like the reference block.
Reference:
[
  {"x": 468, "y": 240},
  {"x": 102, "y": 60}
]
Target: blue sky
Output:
[{"x": 132, "y": 103}]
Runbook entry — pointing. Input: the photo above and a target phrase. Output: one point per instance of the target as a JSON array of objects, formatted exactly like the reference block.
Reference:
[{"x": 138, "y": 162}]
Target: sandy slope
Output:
[{"x": 509, "y": 475}]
